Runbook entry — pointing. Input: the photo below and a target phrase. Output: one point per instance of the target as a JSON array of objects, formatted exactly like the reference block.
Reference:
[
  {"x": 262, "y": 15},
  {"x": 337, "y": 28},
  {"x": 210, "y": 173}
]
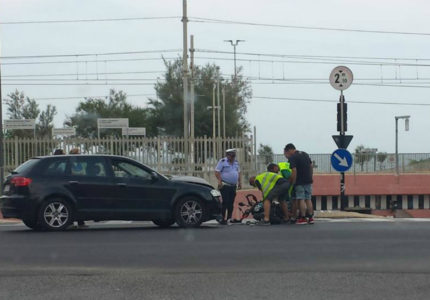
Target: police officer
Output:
[{"x": 227, "y": 173}]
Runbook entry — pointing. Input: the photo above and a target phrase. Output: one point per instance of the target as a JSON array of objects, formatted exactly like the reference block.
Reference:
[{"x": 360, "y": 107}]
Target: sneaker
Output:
[
  {"x": 263, "y": 223},
  {"x": 311, "y": 220},
  {"x": 293, "y": 221},
  {"x": 223, "y": 222},
  {"x": 235, "y": 221},
  {"x": 302, "y": 221}
]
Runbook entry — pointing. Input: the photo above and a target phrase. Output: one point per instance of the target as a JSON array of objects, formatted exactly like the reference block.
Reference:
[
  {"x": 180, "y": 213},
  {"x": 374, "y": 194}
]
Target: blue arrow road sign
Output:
[{"x": 341, "y": 160}]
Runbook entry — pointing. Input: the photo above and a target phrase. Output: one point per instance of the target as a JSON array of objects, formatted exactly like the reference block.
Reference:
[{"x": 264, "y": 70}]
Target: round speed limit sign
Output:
[{"x": 341, "y": 78}]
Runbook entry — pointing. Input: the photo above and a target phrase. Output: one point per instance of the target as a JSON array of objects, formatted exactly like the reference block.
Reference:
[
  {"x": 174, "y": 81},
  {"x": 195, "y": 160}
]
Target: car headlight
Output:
[{"x": 215, "y": 193}]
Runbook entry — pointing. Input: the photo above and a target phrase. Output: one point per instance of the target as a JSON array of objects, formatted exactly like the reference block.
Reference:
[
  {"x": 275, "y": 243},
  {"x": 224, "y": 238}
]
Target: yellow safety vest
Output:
[
  {"x": 285, "y": 166},
  {"x": 267, "y": 181}
]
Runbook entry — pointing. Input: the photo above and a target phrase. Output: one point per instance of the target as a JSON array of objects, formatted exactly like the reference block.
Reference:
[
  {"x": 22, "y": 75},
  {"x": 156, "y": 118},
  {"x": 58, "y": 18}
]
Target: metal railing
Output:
[
  {"x": 372, "y": 163},
  {"x": 164, "y": 154}
]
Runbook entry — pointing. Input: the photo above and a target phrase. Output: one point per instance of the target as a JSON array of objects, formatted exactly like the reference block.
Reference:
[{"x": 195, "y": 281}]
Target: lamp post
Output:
[
  {"x": 397, "y": 137},
  {"x": 234, "y": 44}
]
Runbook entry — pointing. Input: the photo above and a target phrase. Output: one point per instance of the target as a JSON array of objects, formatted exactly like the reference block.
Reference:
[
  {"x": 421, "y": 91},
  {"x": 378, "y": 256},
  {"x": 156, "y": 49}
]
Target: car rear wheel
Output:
[
  {"x": 55, "y": 214},
  {"x": 189, "y": 212},
  {"x": 164, "y": 223}
]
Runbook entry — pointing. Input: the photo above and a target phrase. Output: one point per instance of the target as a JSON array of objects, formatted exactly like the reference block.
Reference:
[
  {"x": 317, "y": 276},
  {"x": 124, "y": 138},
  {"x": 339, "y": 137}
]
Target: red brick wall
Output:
[{"x": 373, "y": 184}]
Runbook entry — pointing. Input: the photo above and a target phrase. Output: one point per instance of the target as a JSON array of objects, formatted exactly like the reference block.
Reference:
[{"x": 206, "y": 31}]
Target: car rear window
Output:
[
  {"x": 54, "y": 167},
  {"x": 26, "y": 166}
]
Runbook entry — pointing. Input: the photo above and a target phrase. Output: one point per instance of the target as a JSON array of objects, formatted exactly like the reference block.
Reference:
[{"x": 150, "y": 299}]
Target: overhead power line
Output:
[
  {"x": 88, "y": 97},
  {"x": 303, "y": 56},
  {"x": 336, "y": 101},
  {"x": 321, "y": 82},
  {"x": 230, "y": 22},
  {"x": 87, "y": 20},
  {"x": 76, "y": 84},
  {"x": 77, "y": 74},
  {"x": 321, "y": 61},
  {"x": 84, "y": 61},
  {"x": 91, "y": 54}
]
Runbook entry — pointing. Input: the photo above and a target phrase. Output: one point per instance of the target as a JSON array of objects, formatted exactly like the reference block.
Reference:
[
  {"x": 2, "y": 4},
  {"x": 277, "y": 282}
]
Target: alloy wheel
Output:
[
  {"x": 56, "y": 214},
  {"x": 191, "y": 212}
]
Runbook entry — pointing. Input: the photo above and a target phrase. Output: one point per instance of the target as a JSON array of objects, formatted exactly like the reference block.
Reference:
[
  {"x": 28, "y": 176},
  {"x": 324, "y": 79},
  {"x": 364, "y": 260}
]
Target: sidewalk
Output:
[{"x": 337, "y": 214}]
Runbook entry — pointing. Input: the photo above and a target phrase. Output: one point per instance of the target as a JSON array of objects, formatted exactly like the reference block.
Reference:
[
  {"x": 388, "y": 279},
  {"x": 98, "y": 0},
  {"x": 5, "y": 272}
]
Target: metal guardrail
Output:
[{"x": 372, "y": 163}]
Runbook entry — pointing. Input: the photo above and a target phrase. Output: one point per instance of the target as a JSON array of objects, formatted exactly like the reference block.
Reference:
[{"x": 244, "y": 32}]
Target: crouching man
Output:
[{"x": 272, "y": 186}]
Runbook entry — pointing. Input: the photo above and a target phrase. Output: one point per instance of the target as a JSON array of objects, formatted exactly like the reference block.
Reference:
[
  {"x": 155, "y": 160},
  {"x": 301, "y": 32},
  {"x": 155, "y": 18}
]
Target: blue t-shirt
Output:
[{"x": 229, "y": 171}]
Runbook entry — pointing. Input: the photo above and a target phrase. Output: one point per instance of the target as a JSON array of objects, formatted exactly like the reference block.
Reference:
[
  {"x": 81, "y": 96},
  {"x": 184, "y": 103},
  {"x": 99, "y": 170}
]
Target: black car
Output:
[{"x": 50, "y": 192}]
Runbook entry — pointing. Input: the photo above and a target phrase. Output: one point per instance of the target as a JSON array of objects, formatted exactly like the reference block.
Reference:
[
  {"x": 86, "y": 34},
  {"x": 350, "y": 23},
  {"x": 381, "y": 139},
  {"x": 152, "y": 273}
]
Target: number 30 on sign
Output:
[{"x": 341, "y": 78}]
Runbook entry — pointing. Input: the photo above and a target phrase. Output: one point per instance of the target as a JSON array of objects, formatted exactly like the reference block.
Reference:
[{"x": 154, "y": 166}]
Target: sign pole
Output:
[
  {"x": 343, "y": 199},
  {"x": 341, "y": 78}
]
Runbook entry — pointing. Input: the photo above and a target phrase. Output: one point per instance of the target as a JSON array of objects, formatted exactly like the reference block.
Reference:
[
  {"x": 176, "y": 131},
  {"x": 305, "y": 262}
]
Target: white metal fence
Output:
[{"x": 164, "y": 154}]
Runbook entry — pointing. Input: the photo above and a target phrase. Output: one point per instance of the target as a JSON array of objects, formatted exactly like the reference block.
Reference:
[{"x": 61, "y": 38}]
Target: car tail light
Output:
[{"x": 21, "y": 181}]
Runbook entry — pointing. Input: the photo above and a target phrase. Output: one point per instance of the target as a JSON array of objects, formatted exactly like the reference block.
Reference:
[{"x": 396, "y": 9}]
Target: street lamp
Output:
[
  {"x": 397, "y": 137},
  {"x": 234, "y": 44}
]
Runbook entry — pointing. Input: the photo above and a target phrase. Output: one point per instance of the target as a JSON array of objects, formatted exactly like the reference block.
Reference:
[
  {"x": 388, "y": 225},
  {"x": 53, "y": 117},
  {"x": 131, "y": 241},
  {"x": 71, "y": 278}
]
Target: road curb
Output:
[{"x": 344, "y": 214}]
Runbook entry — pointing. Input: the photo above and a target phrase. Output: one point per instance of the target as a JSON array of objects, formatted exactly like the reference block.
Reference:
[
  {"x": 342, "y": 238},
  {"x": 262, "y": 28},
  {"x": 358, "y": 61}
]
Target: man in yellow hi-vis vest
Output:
[
  {"x": 285, "y": 170},
  {"x": 272, "y": 185}
]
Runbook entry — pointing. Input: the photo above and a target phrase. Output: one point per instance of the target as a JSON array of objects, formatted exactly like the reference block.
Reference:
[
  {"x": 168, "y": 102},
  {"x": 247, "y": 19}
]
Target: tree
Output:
[
  {"x": 167, "y": 111},
  {"x": 21, "y": 107},
  {"x": 381, "y": 157},
  {"x": 266, "y": 152},
  {"x": 116, "y": 106},
  {"x": 361, "y": 156}
]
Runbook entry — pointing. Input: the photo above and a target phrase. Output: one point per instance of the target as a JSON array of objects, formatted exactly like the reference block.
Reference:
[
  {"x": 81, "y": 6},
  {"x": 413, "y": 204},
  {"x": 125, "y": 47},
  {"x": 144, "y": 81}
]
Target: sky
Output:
[{"x": 289, "y": 49}]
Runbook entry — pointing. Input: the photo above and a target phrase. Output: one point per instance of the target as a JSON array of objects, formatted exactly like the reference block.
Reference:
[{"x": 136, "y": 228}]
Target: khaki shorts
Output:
[{"x": 279, "y": 191}]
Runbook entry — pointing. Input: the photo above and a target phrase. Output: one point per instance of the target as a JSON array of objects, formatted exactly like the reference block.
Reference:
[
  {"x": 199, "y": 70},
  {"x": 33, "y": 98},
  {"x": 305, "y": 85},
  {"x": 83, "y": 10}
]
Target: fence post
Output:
[
  {"x": 158, "y": 154},
  {"x": 16, "y": 151}
]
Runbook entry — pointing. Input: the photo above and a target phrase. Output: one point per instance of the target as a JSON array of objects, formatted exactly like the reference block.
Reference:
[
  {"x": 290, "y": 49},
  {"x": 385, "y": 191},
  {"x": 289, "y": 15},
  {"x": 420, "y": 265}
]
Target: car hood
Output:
[{"x": 190, "y": 179}]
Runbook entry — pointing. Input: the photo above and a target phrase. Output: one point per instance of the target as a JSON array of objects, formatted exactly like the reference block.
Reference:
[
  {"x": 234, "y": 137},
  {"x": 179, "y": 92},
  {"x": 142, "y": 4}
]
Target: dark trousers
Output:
[{"x": 228, "y": 193}]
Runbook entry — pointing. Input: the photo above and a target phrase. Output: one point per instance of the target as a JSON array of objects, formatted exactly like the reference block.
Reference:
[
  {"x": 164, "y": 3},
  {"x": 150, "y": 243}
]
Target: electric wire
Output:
[
  {"x": 334, "y": 101},
  {"x": 232, "y": 22},
  {"x": 88, "y": 20}
]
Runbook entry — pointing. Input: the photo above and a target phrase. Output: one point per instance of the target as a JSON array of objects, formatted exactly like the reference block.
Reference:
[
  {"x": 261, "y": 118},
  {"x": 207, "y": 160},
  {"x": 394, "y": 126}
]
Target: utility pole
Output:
[
  {"x": 213, "y": 123},
  {"x": 396, "y": 118},
  {"x": 234, "y": 51},
  {"x": 192, "y": 101},
  {"x": 223, "y": 113},
  {"x": 192, "y": 86},
  {"x": 218, "y": 101},
  {"x": 1, "y": 135},
  {"x": 185, "y": 76}
]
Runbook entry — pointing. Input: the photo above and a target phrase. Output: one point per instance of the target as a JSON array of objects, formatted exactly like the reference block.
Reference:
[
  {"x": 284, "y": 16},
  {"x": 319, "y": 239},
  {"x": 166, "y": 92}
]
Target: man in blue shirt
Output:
[{"x": 227, "y": 173}]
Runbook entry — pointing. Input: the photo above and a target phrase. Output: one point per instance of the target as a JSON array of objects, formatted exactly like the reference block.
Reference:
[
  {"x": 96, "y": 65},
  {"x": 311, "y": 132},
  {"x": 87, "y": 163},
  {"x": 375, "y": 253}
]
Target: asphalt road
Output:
[{"x": 328, "y": 260}]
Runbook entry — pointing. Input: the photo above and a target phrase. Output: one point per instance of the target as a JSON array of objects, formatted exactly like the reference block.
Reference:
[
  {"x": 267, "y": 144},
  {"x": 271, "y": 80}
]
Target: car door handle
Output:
[
  {"x": 121, "y": 184},
  {"x": 73, "y": 182}
]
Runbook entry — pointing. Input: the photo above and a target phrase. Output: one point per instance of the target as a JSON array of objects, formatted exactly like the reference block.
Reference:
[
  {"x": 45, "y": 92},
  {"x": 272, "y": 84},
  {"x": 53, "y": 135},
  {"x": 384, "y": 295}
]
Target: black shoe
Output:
[
  {"x": 223, "y": 222},
  {"x": 235, "y": 221},
  {"x": 263, "y": 223}
]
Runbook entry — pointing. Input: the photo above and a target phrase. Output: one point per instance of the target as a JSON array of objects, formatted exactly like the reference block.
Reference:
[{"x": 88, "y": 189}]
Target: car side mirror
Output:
[{"x": 154, "y": 176}]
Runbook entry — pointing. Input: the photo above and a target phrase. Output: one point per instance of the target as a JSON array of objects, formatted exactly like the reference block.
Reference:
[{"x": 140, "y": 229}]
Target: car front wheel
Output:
[
  {"x": 189, "y": 212},
  {"x": 55, "y": 214}
]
